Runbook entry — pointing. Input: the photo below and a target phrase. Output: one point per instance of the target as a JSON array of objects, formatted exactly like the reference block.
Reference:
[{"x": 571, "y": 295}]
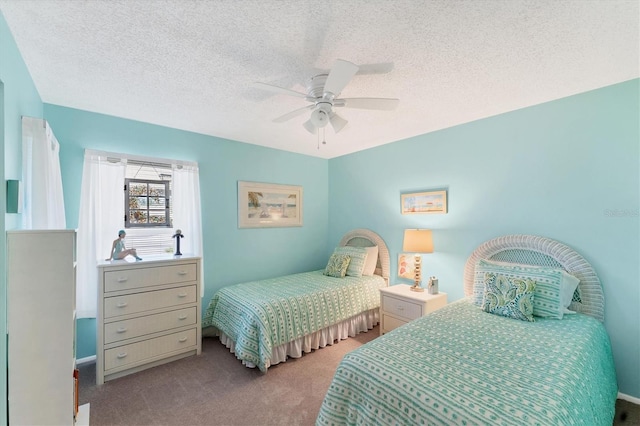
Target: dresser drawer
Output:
[
  {"x": 391, "y": 323},
  {"x": 401, "y": 308},
  {"x": 136, "y": 352},
  {"x": 126, "y": 279},
  {"x": 128, "y": 329},
  {"x": 147, "y": 301}
]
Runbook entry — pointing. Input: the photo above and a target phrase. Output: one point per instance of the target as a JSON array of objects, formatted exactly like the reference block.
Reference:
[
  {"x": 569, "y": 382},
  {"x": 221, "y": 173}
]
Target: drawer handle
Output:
[
  {"x": 122, "y": 355},
  {"x": 122, "y": 279},
  {"x": 182, "y": 295},
  {"x": 400, "y": 308},
  {"x": 182, "y": 339},
  {"x": 182, "y": 273},
  {"x": 121, "y": 304},
  {"x": 182, "y": 317},
  {"x": 121, "y": 330}
]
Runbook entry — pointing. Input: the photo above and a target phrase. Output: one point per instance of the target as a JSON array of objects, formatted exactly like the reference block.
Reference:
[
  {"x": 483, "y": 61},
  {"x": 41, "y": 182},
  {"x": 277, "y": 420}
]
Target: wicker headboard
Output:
[
  {"x": 368, "y": 238},
  {"x": 532, "y": 250}
]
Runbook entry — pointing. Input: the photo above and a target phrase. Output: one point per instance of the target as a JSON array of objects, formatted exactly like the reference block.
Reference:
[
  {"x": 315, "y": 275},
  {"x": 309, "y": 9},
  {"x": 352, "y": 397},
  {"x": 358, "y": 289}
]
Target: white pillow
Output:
[
  {"x": 371, "y": 261},
  {"x": 568, "y": 287}
]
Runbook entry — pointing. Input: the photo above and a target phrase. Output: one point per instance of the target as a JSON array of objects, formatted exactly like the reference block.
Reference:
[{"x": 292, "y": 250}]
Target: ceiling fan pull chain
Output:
[
  {"x": 318, "y": 134},
  {"x": 324, "y": 141}
]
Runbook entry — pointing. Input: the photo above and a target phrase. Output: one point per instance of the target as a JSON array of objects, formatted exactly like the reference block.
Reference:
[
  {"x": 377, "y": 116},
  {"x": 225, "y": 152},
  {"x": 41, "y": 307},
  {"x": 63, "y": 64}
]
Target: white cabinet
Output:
[
  {"x": 41, "y": 326},
  {"x": 399, "y": 305},
  {"x": 149, "y": 313}
]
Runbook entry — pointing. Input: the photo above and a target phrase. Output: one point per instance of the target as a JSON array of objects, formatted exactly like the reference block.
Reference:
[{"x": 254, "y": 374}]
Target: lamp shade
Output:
[{"x": 417, "y": 241}]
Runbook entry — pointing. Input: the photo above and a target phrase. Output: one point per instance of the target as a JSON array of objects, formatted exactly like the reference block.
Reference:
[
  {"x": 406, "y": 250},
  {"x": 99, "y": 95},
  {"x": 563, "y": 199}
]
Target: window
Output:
[
  {"x": 147, "y": 201},
  {"x": 103, "y": 207},
  {"x": 148, "y": 209}
]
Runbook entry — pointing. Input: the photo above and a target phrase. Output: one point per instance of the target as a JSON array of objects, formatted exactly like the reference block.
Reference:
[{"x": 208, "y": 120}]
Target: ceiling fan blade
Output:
[
  {"x": 337, "y": 122},
  {"x": 341, "y": 74},
  {"x": 278, "y": 89},
  {"x": 311, "y": 128},
  {"x": 381, "y": 68},
  {"x": 386, "y": 104},
  {"x": 292, "y": 114}
]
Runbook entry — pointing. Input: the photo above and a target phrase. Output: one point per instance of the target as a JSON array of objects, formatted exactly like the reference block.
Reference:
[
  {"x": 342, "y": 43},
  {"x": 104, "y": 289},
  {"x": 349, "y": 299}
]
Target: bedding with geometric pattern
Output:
[
  {"x": 260, "y": 315},
  {"x": 462, "y": 366}
]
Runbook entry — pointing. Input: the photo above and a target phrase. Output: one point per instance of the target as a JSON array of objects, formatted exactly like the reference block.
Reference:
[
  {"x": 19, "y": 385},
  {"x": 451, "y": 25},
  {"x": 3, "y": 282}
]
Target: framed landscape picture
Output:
[
  {"x": 263, "y": 205},
  {"x": 431, "y": 202}
]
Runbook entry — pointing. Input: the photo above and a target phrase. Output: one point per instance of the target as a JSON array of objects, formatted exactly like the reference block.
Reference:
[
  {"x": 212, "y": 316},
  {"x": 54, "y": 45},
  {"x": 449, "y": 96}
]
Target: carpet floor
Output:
[{"x": 216, "y": 389}]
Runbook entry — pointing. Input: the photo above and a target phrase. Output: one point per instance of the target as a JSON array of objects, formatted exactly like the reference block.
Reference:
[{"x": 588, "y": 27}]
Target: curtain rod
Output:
[
  {"x": 44, "y": 122},
  {"x": 139, "y": 158}
]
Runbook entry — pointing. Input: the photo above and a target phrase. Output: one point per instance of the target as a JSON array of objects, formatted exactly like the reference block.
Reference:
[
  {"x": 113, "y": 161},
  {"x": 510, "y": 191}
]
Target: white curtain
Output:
[
  {"x": 101, "y": 216},
  {"x": 41, "y": 177},
  {"x": 186, "y": 210}
]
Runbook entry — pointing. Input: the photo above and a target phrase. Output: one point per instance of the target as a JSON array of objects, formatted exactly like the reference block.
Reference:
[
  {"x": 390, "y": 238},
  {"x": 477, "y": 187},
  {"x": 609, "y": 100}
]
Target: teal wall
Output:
[
  {"x": 567, "y": 170},
  {"x": 18, "y": 97},
  {"x": 231, "y": 255}
]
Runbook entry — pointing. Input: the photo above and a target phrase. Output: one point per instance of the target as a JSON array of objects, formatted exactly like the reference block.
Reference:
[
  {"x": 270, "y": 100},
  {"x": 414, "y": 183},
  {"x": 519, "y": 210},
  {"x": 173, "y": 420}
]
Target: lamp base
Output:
[{"x": 416, "y": 288}]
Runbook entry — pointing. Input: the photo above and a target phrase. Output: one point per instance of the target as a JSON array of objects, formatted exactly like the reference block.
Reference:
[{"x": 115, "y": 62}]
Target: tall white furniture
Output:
[
  {"x": 41, "y": 326},
  {"x": 148, "y": 314}
]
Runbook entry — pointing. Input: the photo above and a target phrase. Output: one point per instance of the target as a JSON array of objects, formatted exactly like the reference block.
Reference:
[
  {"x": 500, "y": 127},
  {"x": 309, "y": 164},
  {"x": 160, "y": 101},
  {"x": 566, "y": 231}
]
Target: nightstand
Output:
[{"x": 399, "y": 305}]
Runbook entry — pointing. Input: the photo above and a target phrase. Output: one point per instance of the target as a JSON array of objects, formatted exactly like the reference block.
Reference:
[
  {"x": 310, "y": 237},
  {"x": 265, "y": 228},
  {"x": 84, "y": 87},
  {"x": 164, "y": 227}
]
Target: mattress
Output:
[
  {"x": 460, "y": 365},
  {"x": 261, "y": 315}
]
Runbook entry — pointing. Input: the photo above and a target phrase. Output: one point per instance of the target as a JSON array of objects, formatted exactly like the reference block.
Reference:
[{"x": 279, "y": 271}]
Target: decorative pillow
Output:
[
  {"x": 509, "y": 297},
  {"x": 337, "y": 266},
  {"x": 358, "y": 258},
  {"x": 371, "y": 262},
  {"x": 553, "y": 291}
]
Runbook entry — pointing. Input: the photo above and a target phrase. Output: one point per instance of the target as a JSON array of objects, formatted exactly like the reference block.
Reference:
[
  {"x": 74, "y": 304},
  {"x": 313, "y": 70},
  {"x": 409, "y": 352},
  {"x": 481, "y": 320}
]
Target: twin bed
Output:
[
  {"x": 265, "y": 322},
  {"x": 462, "y": 365},
  {"x": 468, "y": 363}
]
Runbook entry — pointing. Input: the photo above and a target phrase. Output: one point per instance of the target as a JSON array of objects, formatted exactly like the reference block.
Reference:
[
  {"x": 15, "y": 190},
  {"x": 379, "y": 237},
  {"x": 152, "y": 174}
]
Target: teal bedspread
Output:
[
  {"x": 261, "y": 315},
  {"x": 462, "y": 366}
]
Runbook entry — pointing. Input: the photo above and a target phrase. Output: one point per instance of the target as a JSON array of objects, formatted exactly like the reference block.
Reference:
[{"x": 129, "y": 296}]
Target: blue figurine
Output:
[
  {"x": 119, "y": 251},
  {"x": 178, "y": 235}
]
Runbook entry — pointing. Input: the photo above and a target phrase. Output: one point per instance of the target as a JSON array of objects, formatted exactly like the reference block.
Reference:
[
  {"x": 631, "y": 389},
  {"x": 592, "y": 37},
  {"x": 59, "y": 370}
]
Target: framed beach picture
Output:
[
  {"x": 424, "y": 202},
  {"x": 406, "y": 266},
  {"x": 263, "y": 205}
]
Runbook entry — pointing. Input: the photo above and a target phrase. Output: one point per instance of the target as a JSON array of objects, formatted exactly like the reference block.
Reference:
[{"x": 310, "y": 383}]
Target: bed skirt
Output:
[{"x": 327, "y": 336}]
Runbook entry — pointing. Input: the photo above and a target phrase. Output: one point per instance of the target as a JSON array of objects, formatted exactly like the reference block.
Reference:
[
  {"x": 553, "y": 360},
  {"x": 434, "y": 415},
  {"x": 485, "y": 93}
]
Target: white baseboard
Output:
[
  {"x": 86, "y": 360},
  {"x": 629, "y": 398},
  {"x": 82, "y": 419}
]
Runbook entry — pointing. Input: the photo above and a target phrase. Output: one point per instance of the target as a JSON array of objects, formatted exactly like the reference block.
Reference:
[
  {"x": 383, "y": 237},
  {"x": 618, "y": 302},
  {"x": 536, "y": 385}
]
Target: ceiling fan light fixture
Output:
[
  {"x": 319, "y": 117},
  {"x": 337, "y": 122},
  {"x": 308, "y": 125}
]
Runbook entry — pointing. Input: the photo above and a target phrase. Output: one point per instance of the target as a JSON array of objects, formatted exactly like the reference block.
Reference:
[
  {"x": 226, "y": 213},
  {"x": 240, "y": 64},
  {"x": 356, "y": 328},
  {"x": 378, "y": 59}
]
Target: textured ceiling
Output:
[{"x": 190, "y": 64}]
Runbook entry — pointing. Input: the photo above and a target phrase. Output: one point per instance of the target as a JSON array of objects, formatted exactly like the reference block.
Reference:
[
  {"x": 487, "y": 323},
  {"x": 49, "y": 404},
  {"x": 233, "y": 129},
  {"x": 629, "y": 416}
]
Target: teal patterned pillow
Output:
[
  {"x": 337, "y": 266},
  {"x": 508, "y": 297},
  {"x": 358, "y": 257},
  {"x": 554, "y": 287}
]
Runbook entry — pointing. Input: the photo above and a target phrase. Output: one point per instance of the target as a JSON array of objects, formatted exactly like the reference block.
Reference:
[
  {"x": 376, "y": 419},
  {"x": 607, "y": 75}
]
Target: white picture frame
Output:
[
  {"x": 268, "y": 205},
  {"x": 431, "y": 202}
]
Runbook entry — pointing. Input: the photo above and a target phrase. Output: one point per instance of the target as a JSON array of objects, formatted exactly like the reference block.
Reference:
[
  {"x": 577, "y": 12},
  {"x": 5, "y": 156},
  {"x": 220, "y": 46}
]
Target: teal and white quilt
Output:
[
  {"x": 261, "y": 315},
  {"x": 462, "y": 366}
]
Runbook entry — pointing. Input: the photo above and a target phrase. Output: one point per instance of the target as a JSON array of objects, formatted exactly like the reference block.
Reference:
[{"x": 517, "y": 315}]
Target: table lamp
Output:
[{"x": 417, "y": 241}]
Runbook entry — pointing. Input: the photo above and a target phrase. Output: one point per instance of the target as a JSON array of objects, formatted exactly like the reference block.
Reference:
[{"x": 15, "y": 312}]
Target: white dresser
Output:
[
  {"x": 148, "y": 314},
  {"x": 399, "y": 305},
  {"x": 41, "y": 299}
]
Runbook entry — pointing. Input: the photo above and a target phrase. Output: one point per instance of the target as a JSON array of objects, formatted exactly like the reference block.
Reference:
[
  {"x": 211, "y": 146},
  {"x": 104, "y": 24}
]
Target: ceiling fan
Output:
[{"x": 322, "y": 93}]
